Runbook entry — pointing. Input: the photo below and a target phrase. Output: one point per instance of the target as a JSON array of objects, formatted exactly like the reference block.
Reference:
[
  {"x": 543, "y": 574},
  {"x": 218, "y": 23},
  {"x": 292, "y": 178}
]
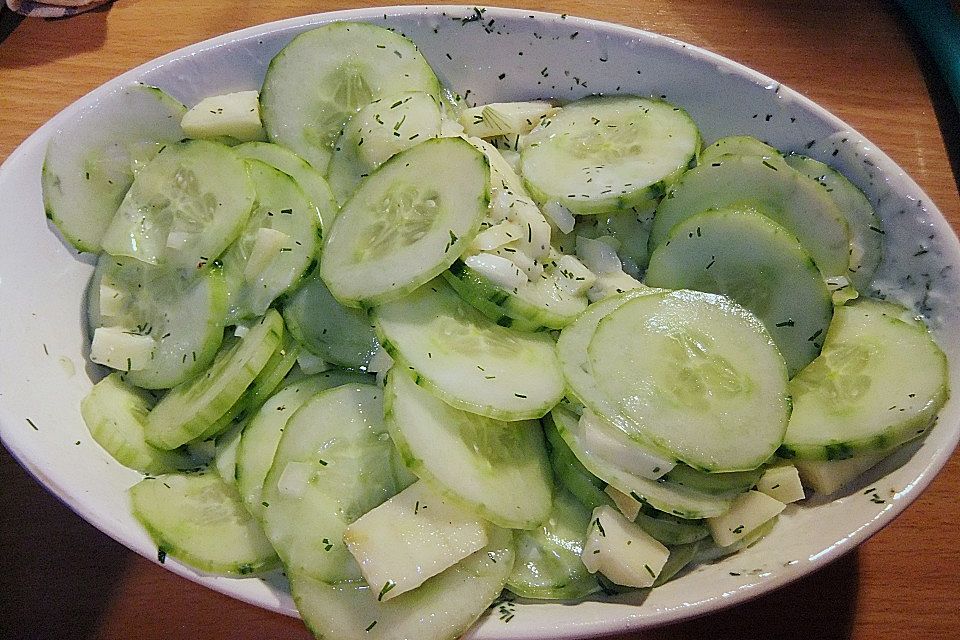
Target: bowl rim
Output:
[{"x": 73, "y": 496}]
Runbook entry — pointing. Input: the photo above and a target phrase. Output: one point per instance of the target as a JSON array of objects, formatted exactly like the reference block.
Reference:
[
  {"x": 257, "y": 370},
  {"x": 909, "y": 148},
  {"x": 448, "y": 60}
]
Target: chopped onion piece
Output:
[
  {"x": 560, "y": 215},
  {"x": 498, "y": 270},
  {"x": 310, "y": 363},
  {"x": 598, "y": 256}
]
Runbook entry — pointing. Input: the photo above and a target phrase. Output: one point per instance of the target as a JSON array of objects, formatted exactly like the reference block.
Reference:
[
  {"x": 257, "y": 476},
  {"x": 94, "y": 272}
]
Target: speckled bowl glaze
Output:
[{"x": 484, "y": 54}]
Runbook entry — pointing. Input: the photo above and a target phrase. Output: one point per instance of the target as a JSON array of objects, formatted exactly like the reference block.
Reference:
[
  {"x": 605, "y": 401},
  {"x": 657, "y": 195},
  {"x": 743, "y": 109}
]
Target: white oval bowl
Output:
[{"x": 499, "y": 54}]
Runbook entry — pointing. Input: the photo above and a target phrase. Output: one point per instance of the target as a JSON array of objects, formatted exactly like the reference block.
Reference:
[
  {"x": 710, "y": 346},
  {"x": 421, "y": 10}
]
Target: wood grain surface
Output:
[{"x": 61, "y": 578}]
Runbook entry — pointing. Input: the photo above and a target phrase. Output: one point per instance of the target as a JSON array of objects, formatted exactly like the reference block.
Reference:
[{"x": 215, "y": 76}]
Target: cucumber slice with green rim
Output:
[
  {"x": 878, "y": 383},
  {"x": 407, "y": 222},
  {"x": 630, "y": 228},
  {"x": 261, "y": 435},
  {"x": 323, "y": 76},
  {"x": 681, "y": 555},
  {"x": 671, "y": 530},
  {"x": 275, "y": 248},
  {"x": 548, "y": 564},
  {"x": 602, "y": 439},
  {"x": 115, "y": 413},
  {"x": 574, "y": 361},
  {"x": 468, "y": 361},
  {"x": 441, "y": 608},
  {"x": 790, "y": 198},
  {"x": 697, "y": 374},
  {"x": 184, "y": 207},
  {"x": 308, "y": 178},
  {"x": 542, "y": 302},
  {"x": 722, "y": 484},
  {"x": 604, "y": 153},
  {"x": 377, "y": 132},
  {"x": 338, "y": 334},
  {"x": 188, "y": 410},
  {"x": 678, "y": 500},
  {"x": 199, "y": 520},
  {"x": 86, "y": 175},
  {"x": 334, "y": 463},
  {"x": 866, "y": 229},
  {"x": 737, "y": 145},
  {"x": 262, "y": 387},
  {"x": 474, "y": 462},
  {"x": 570, "y": 473},
  {"x": 184, "y": 316},
  {"x": 746, "y": 256}
]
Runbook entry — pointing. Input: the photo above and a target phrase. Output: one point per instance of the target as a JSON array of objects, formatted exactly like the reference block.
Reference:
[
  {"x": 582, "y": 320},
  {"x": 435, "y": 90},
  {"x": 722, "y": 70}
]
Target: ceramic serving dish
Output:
[{"x": 484, "y": 54}]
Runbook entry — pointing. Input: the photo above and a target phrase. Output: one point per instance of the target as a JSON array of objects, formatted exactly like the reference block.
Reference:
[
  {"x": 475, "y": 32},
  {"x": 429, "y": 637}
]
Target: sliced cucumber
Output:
[
  {"x": 200, "y": 520},
  {"x": 549, "y": 300},
  {"x": 570, "y": 473},
  {"x": 184, "y": 207},
  {"x": 671, "y": 530},
  {"x": 548, "y": 564},
  {"x": 574, "y": 361},
  {"x": 604, "y": 153},
  {"x": 188, "y": 410},
  {"x": 697, "y": 374},
  {"x": 878, "y": 383},
  {"x": 377, "y": 132},
  {"x": 603, "y": 440},
  {"x": 261, "y": 435},
  {"x": 737, "y": 145},
  {"x": 262, "y": 387},
  {"x": 86, "y": 175},
  {"x": 467, "y": 360},
  {"x": 334, "y": 463},
  {"x": 275, "y": 248},
  {"x": 866, "y": 229},
  {"x": 722, "y": 484},
  {"x": 308, "y": 178},
  {"x": 790, "y": 198},
  {"x": 325, "y": 75},
  {"x": 338, "y": 334},
  {"x": 184, "y": 316},
  {"x": 470, "y": 460},
  {"x": 686, "y": 502},
  {"x": 442, "y": 608},
  {"x": 115, "y": 414},
  {"x": 746, "y": 256},
  {"x": 407, "y": 222}
]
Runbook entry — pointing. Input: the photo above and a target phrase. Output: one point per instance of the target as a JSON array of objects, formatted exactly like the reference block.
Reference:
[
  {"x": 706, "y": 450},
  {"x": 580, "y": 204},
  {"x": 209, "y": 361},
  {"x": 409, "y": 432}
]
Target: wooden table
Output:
[{"x": 61, "y": 578}]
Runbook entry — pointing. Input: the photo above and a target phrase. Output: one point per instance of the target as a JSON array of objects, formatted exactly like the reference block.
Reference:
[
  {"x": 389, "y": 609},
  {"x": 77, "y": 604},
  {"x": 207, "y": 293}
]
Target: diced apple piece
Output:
[
  {"x": 828, "y": 476},
  {"x": 629, "y": 507},
  {"x": 781, "y": 483},
  {"x": 749, "y": 511},
  {"x": 622, "y": 551},
  {"x": 411, "y": 537},
  {"x": 121, "y": 349},
  {"x": 236, "y": 115}
]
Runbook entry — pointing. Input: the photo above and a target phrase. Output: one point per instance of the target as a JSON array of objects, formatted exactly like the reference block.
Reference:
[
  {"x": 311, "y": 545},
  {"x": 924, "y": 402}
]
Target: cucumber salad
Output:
[{"x": 418, "y": 354}]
